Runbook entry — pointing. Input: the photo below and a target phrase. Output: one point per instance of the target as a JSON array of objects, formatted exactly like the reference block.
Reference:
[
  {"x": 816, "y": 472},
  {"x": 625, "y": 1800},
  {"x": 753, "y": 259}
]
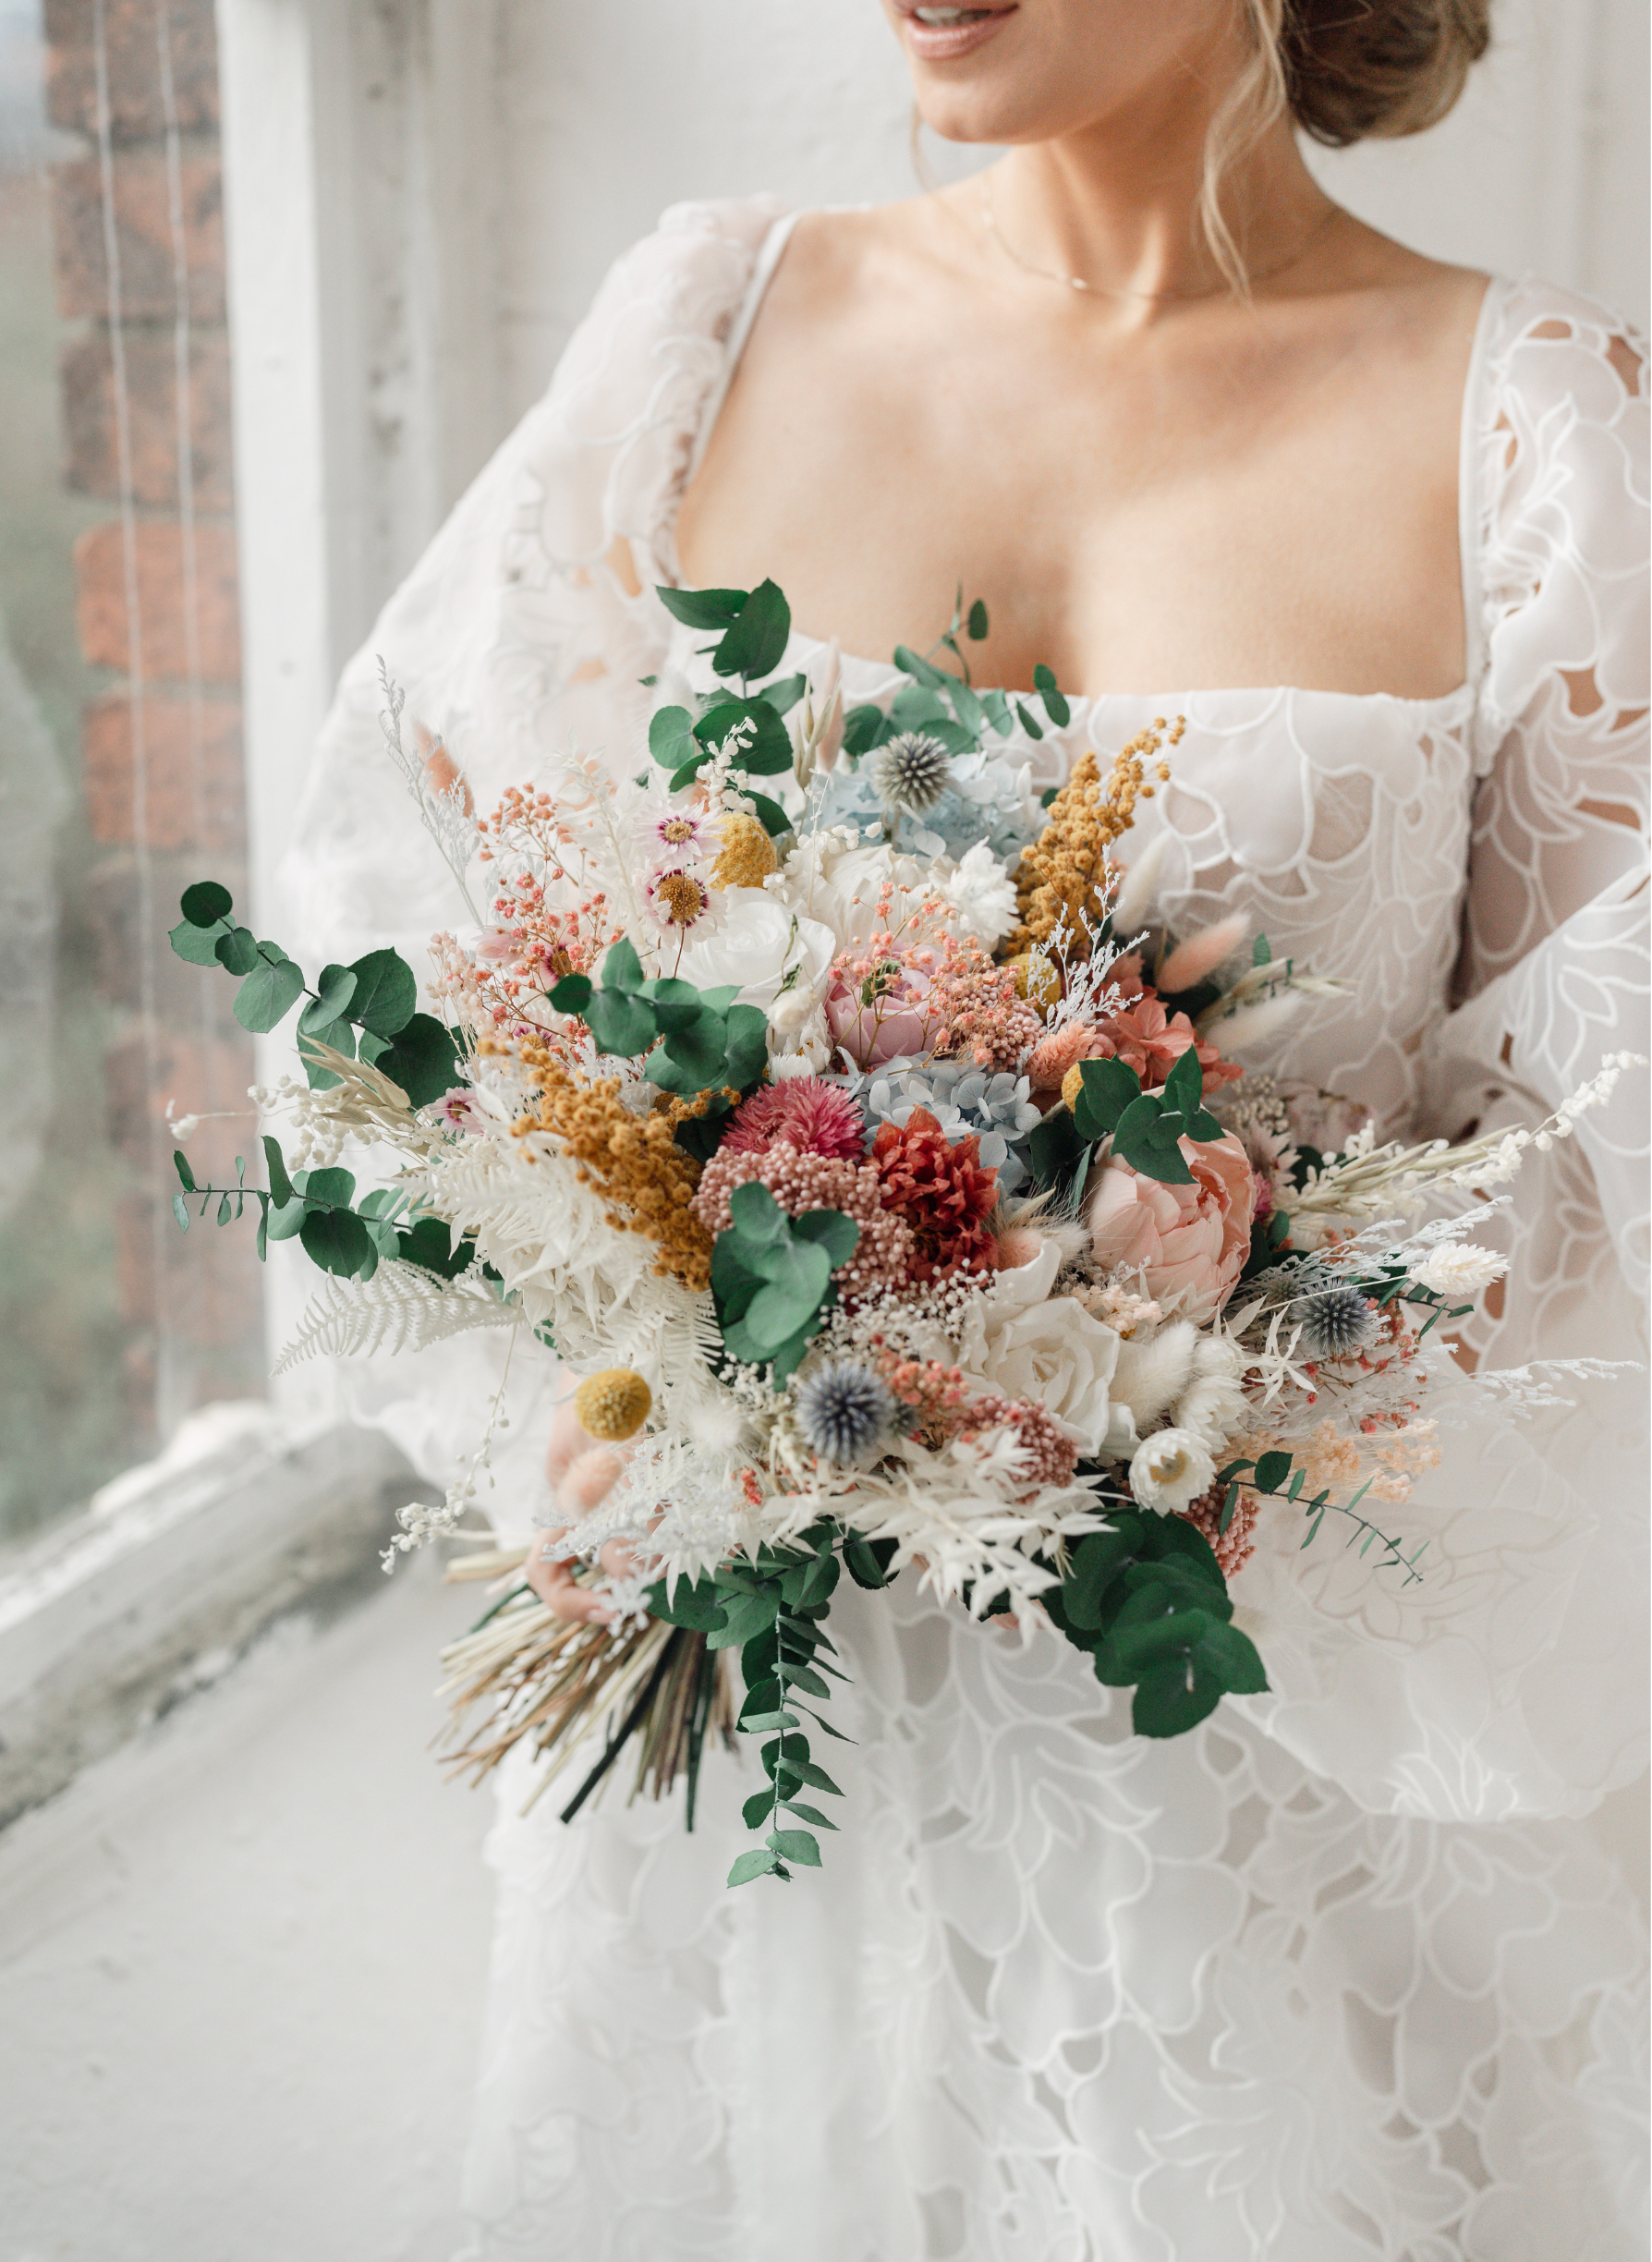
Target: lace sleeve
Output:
[
  {"x": 529, "y": 623},
  {"x": 1513, "y": 1677},
  {"x": 523, "y": 631}
]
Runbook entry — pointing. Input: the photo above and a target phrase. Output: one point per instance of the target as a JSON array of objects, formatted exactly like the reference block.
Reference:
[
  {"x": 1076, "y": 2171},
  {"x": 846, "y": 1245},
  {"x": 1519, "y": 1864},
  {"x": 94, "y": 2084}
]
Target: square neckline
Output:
[{"x": 1464, "y": 693}]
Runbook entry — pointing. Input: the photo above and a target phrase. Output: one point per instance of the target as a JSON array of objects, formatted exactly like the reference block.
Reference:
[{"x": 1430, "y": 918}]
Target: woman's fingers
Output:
[{"x": 550, "y": 1575}]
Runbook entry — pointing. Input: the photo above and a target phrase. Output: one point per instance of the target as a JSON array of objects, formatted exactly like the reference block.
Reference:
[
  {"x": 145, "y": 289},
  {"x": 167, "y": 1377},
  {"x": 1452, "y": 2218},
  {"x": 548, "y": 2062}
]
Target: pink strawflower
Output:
[
  {"x": 1053, "y": 1055},
  {"x": 821, "y": 1118}
]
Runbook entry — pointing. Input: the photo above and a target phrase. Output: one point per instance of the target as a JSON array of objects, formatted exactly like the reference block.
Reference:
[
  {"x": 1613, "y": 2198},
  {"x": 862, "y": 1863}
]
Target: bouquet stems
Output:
[{"x": 568, "y": 1689}]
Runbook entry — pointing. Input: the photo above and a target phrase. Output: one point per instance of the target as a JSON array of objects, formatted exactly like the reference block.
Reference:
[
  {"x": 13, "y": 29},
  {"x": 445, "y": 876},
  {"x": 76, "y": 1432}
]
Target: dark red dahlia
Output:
[
  {"x": 942, "y": 1191},
  {"x": 816, "y": 1117}
]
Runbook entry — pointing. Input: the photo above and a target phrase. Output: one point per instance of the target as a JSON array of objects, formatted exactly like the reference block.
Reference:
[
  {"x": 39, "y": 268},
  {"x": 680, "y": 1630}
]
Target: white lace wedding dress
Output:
[{"x": 1334, "y": 1978}]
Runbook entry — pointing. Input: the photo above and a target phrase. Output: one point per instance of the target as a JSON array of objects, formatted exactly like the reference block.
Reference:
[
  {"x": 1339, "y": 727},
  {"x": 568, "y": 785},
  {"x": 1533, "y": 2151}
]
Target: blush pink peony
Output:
[{"x": 1187, "y": 1244}]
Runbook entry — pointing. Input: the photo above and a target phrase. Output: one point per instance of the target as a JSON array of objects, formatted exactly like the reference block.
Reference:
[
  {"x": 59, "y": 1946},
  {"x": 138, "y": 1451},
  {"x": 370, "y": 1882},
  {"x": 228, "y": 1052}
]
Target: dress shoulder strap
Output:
[{"x": 769, "y": 257}]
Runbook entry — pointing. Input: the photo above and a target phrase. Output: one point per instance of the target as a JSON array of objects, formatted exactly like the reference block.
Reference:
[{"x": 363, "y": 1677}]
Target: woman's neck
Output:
[{"x": 1117, "y": 206}]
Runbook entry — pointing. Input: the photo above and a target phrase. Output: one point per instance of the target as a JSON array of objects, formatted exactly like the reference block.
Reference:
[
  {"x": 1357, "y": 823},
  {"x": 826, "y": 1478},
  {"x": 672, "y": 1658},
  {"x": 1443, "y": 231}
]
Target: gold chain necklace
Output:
[{"x": 1107, "y": 291}]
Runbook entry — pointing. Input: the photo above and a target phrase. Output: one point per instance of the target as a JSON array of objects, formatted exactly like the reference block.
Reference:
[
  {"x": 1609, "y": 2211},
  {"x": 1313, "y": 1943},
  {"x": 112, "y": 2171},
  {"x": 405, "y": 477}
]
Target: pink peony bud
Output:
[{"x": 889, "y": 1029}]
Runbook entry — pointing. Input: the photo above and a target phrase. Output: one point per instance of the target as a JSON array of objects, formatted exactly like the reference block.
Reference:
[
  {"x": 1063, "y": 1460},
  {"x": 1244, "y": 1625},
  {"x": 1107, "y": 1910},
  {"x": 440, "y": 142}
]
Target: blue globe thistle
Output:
[
  {"x": 911, "y": 771},
  {"x": 843, "y": 1411},
  {"x": 1335, "y": 1322}
]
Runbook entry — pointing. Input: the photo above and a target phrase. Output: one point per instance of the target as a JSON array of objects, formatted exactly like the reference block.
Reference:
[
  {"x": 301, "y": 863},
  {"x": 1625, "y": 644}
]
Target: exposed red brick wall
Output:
[{"x": 171, "y": 691}]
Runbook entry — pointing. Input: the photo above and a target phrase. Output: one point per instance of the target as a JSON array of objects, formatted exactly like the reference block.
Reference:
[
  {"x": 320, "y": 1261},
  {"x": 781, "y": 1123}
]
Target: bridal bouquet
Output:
[{"x": 888, "y": 1182}]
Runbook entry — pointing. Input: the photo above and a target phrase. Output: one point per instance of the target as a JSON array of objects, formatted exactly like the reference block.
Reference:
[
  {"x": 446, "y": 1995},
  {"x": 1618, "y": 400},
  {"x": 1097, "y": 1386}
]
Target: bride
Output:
[{"x": 1340, "y": 1976}]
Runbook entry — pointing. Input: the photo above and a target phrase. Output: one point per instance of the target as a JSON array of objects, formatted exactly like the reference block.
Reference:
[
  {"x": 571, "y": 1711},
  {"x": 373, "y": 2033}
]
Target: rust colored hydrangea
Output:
[
  {"x": 942, "y": 1191},
  {"x": 821, "y": 1118},
  {"x": 883, "y": 1256}
]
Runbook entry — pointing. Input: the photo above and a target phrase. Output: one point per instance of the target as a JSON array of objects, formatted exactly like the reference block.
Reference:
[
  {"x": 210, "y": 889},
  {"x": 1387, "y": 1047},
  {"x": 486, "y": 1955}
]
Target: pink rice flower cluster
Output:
[
  {"x": 976, "y": 1009},
  {"x": 800, "y": 1181},
  {"x": 821, "y": 1118},
  {"x": 932, "y": 1394},
  {"x": 526, "y": 823},
  {"x": 1052, "y": 1454},
  {"x": 1233, "y": 1548},
  {"x": 502, "y": 984}
]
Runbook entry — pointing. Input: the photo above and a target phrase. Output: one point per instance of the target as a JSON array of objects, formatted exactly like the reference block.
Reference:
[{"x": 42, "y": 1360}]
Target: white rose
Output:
[
  {"x": 830, "y": 878},
  {"x": 754, "y": 940},
  {"x": 1022, "y": 1345},
  {"x": 1169, "y": 1471}
]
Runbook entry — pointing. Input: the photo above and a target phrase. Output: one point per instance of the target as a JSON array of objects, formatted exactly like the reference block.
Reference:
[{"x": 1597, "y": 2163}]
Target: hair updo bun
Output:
[
  {"x": 1342, "y": 70},
  {"x": 1358, "y": 68}
]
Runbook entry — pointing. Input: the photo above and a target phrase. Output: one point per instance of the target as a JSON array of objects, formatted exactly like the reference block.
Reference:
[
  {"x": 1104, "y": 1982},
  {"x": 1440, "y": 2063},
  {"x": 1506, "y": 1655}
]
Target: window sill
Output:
[{"x": 115, "y": 1618}]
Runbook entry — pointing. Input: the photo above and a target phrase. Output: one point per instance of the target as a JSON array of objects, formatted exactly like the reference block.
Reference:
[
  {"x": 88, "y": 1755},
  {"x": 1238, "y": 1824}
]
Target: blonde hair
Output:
[{"x": 1345, "y": 70}]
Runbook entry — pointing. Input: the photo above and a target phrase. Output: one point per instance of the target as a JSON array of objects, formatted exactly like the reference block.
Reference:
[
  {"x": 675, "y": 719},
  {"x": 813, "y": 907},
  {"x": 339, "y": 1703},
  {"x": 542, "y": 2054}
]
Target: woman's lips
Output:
[{"x": 950, "y": 31}]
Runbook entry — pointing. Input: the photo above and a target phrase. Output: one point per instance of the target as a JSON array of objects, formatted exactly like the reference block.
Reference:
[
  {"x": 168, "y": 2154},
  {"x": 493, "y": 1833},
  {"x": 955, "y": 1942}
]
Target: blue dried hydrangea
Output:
[
  {"x": 963, "y": 1099},
  {"x": 989, "y": 796}
]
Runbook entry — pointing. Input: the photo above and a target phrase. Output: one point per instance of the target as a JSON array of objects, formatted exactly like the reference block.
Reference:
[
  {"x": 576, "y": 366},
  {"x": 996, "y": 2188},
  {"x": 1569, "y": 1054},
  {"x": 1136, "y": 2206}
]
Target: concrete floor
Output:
[
  {"x": 242, "y": 1964},
  {"x": 241, "y": 1968}
]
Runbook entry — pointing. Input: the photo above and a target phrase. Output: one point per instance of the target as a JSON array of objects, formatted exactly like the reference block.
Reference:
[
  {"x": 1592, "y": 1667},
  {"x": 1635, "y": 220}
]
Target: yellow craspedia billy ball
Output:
[
  {"x": 613, "y": 1406},
  {"x": 1072, "y": 1084},
  {"x": 748, "y": 855},
  {"x": 1036, "y": 979}
]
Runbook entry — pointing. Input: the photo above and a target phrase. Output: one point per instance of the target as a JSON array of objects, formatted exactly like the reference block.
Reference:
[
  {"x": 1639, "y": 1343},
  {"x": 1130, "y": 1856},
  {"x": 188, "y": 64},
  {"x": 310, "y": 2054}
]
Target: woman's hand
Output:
[{"x": 581, "y": 1472}]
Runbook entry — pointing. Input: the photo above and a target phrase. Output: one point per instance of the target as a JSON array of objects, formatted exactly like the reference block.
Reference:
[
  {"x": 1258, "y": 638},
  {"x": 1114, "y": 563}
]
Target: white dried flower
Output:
[
  {"x": 1170, "y": 1470},
  {"x": 1459, "y": 1269},
  {"x": 981, "y": 894}
]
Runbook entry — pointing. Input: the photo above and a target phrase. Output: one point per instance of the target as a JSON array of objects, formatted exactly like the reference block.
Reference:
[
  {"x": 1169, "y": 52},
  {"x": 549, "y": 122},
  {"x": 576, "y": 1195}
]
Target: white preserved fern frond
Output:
[{"x": 402, "y": 1308}]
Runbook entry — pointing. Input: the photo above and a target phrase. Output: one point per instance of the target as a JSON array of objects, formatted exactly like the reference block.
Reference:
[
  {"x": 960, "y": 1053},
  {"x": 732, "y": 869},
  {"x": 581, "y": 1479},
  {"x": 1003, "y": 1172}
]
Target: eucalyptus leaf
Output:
[
  {"x": 336, "y": 986},
  {"x": 268, "y": 994},
  {"x": 196, "y": 946},
  {"x": 1107, "y": 1088},
  {"x": 706, "y": 608},
  {"x": 236, "y": 952},
  {"x": 422, "y": 1059},
  {"x": 767, "y": 751},
  {"x": 385, "y": 993},
  {"x": 206, "y": 903},
  {"x": 756, "y": 639},
  {"x": 671, "y": 737},
  {"x": 921, "y": 671},
  {"x": 339, "y": 1243}
]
